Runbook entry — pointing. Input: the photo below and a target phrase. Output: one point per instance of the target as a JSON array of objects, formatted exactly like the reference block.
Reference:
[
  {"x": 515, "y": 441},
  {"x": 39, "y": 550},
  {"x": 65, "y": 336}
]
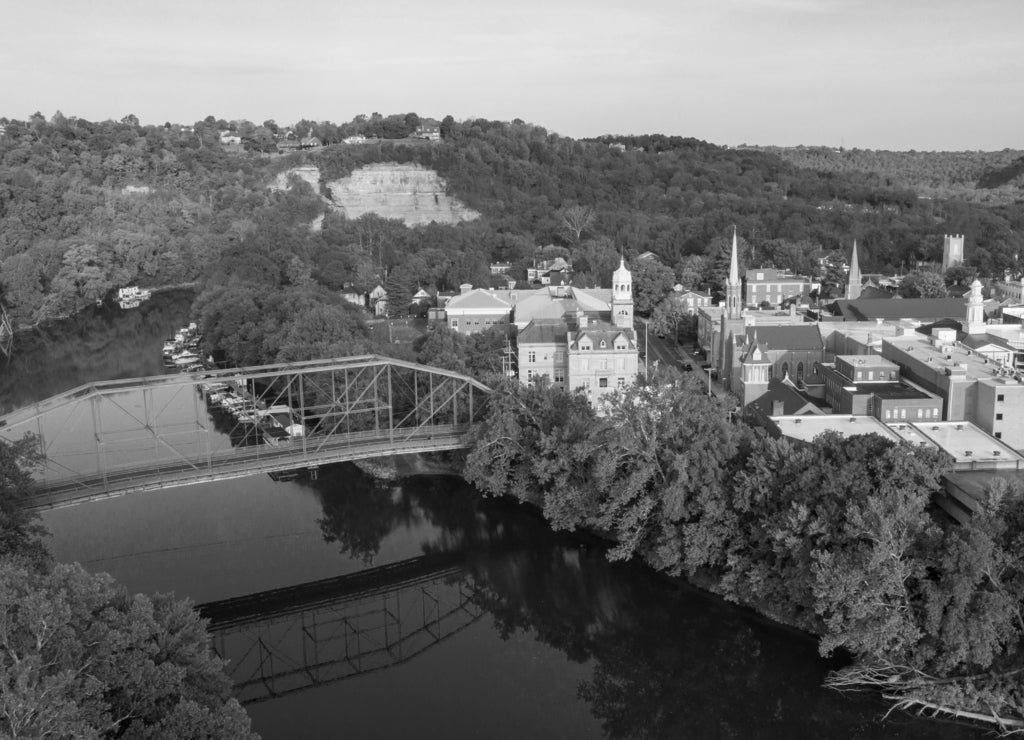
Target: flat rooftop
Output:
[
  {"x": 968, "y": 445},
  {"x": 806, "y": 428},
  {"x": 959, "y": 360},
  {"x": 893, "y": 391}
]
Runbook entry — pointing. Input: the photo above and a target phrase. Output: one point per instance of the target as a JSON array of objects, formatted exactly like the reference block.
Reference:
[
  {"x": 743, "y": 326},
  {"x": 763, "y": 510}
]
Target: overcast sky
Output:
[{"x": 879, "y": 74}]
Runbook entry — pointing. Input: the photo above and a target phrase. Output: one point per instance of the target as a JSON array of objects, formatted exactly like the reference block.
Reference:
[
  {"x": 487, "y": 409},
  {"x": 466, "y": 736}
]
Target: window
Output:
[
  {"x": 785, "y": 369},
  {"x": 1000, "y": 397},
  {"x": 871, "y": 374},
  {"x": 888, "y": 413},
  {"x": 620, "y": 382},
  {"x": 604, "y": 363},
  {"x": 998, "y": 435},
  {"x": 531, "y": 356},
  {"x": 920, "y": 413},
  {"x": 559, "y": 375},
  {"x": 602, "y": 382},
  {"x": 799, "y": 371},
  {"x": 999, "y": 417},
  {"x": 603, "y": 344},
  {"x": 455, "y": 324},
  {"x": 529, "y": 374},
  {"x": 903, "y": 413},
  {"x": 584, "y": 347}
]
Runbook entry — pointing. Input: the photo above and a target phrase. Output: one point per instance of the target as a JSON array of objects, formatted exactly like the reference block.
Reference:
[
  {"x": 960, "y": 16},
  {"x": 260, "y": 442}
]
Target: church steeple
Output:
[
  {"x": 622, "y": 296},
  {"x": 975, "y": 309},
  {"x": 853, "y": 286},
  {"x": 733, "y": 287}
]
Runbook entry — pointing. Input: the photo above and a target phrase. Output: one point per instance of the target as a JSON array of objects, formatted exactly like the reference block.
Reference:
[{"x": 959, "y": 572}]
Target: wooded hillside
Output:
[{"x": 87, "y": 207}]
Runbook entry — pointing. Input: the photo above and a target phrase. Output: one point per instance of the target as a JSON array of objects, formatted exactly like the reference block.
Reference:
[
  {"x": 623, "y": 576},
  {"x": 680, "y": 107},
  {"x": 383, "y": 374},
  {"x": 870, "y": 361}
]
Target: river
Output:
[{"x": 438, "y": 613}]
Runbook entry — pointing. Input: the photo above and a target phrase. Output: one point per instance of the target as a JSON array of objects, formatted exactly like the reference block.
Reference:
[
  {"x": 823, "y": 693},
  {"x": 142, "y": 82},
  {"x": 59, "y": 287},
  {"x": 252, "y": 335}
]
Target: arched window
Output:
[
  {"x": 771, "y": 372},
  {"x": 800, "y": 371},
  {"x": 785, "y": 370}
]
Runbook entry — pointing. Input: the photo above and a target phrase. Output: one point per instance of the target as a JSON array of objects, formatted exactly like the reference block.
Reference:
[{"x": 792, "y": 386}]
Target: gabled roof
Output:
[
  {"x": 793, "y": 403},
  {"x": 979, "y": 341},
  {"x": 543, "y": 331},
  {"x": 477, "y": 299},
  {"x": 552, "y": 303},
  {"x": 601, "y": 331},
  {"x": 924, "y": 309},
  {"x": 800, "y": 337}
]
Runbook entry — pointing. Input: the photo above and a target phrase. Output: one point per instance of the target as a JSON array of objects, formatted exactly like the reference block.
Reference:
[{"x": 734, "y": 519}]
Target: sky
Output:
[{"x": 870, "y": 74}]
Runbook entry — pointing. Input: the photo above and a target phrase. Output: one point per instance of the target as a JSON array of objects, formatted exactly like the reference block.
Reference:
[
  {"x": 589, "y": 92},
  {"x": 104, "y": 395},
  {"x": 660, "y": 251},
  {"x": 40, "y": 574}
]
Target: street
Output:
[{"x": 668, "y": 352}]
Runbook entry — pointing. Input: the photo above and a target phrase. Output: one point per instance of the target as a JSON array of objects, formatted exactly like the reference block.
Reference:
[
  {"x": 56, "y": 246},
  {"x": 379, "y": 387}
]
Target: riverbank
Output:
[
  {"x": 43, "y": 322},
  {"x": 833, "y": 537}
]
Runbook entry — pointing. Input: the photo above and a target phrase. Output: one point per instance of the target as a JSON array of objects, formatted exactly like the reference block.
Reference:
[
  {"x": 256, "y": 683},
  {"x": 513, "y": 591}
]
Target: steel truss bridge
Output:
[
  {"x": 114, "y": 437},
  {"x": 296, "y": 638}
]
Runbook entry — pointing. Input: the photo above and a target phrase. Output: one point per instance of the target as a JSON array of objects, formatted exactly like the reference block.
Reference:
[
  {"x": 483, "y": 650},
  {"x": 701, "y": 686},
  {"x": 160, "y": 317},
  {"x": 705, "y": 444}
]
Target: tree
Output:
[
  {"x": 923, "y": 284},
  {"x": 447, "y": 126},
  {"x": 668, "y": 315},
  {"x": 575, "y": 219},
  {"x": 651, "y": 282},
  {"x": 82, "y": 658},
  {"x": 20, "y": 531},
  {"x": 960, "y": 276}
]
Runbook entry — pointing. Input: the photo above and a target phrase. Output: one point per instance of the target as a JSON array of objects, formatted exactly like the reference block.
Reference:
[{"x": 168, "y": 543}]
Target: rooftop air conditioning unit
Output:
[{"x": 959, "y": 427}]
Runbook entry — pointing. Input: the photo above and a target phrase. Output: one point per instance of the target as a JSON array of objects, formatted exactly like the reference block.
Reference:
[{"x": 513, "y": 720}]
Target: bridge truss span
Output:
[{"x": 115, "y": 437}]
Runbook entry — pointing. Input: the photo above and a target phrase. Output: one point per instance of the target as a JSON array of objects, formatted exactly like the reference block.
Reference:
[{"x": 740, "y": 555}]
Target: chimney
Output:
[
  {"x": 465, "y": 288},
  {"x": 581, "y": 319}
]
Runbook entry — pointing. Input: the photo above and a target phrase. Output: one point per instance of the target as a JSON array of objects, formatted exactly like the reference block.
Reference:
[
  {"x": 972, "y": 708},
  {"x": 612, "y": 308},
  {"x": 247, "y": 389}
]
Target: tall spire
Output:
[
  {"x": 734, "y": 262},
  {"x": 853, "y": 280},
  {"x": 732, "y": 286}
]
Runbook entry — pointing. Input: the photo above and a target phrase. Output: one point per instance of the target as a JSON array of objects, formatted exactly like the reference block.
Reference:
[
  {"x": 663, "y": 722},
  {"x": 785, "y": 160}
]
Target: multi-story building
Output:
[
  {"x": 870, "y": 385},
  {"x": 762, "y": 353},
  {"x": 579, "y": 341},
  {"x": 972, "y": 387},
  {"x": 691, "y": 299},
  {"x": 769, "y": 286},
  {"x": 474, "y": 310}
]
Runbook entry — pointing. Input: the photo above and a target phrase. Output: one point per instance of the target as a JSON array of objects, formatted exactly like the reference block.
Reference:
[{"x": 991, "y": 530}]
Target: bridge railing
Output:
[{"x": 171, "y": 430}]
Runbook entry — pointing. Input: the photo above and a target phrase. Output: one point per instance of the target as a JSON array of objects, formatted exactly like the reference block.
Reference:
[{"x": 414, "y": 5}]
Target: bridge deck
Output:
[
  {"x": 116, "y": 437},
  {"x": 244, "y": 461}
]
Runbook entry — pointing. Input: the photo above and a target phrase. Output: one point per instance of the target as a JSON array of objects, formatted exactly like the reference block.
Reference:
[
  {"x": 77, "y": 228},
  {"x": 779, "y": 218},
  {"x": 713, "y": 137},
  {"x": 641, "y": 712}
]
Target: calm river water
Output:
[{"x": 446, "y": 615}]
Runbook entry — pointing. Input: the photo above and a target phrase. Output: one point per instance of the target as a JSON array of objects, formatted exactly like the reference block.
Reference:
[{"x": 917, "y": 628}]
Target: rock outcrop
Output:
[
  {"x": 409, "y": 192},
  {"x": 307, "y": 172}
]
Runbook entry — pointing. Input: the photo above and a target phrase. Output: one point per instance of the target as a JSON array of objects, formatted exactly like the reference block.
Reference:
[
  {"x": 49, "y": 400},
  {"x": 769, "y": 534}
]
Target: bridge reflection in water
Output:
[
  {"x": 296, "y": 638},
  {"x": 114, "y": 437}
]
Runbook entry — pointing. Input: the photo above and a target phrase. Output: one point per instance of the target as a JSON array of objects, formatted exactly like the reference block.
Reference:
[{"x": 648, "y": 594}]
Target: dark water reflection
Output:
[
  {"x": 98, "y": 344},
  {"x": 567, "y": 645}
]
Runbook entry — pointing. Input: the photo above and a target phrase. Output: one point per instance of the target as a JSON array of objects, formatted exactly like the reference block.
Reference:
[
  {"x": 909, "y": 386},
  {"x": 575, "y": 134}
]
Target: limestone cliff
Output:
[
  {"x": 409, "y": 192},
  {"x": 307, "y": 172}
]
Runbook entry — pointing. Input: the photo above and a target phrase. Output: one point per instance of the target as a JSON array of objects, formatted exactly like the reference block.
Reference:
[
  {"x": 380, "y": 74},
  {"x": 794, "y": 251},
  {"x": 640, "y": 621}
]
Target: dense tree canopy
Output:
[{"x": 836, "y": 535}]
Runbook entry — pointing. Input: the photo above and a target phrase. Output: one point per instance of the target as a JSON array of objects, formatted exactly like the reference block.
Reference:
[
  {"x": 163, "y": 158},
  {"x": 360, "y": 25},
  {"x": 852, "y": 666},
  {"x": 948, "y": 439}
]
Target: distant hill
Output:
[
  {"x": 86, "y": 207},
  {"x": 979, "y": 177},
  {"x": 1010, "y": 175}
]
